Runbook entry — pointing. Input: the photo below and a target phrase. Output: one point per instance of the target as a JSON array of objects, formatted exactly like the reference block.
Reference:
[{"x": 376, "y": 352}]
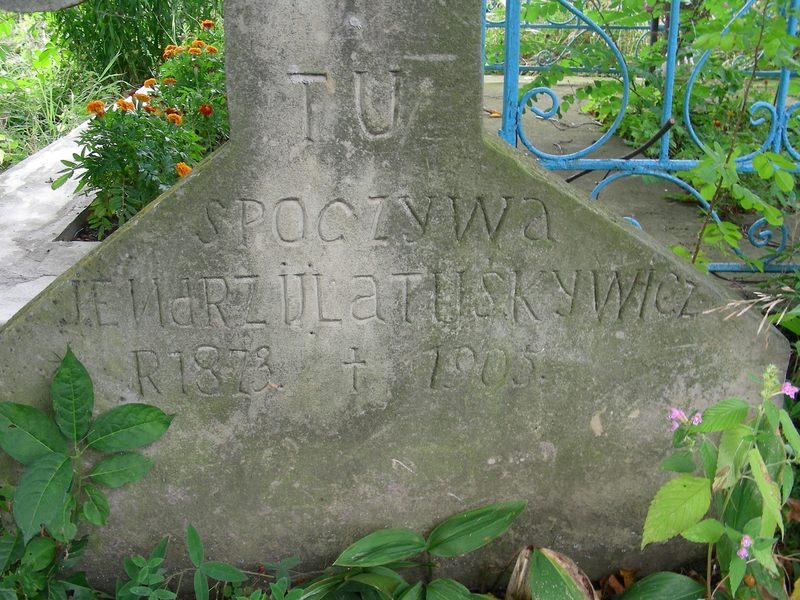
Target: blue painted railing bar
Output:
[{"x": 664, "y": 167}]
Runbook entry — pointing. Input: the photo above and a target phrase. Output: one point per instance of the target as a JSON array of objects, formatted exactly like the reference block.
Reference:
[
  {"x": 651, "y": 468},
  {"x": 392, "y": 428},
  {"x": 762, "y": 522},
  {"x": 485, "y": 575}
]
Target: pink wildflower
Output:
[
  {"x": 788, "y": 389},
  {"x": 676, "y": 414},
  {"x": 697, "y": 419},
  {"x": 747, "y": 541},
  {"x": 742, "y": 553},
  {"x": 674, "y": 425}
]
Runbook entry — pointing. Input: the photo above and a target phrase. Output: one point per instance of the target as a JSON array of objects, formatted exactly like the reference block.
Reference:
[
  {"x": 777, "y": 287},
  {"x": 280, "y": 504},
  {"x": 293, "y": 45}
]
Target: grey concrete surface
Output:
[
  {"x": 32, "y": 217},
  {"x": 366, "y": 312}
]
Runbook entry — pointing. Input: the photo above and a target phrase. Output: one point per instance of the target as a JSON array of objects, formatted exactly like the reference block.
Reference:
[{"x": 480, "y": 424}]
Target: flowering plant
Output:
[
  {"x": 137, "y": 147},
  {"x": 746, "y": 477}
]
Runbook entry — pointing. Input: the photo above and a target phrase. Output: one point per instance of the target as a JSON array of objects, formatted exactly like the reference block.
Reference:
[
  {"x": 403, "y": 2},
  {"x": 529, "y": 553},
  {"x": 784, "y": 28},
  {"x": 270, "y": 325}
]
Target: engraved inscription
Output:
[
  {"x": 306, "y": 80},
  {"x": 354, "y": 364},
  {"x": 374, "y": 127}
]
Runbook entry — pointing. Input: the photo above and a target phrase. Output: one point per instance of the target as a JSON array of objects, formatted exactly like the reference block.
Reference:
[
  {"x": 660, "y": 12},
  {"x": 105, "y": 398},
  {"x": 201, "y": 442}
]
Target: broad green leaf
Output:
[
  {"x": 61, "y": 527},
  {"x": 679, "y": 504},
  {"x": 195, "y": 546},
  {"x": 11, "y": 548},
  {"x": 770, "y": 495},
  {"x": 384, "y": 584},
  {"x": 723, "y": 415},
  {"x": 762, "y": 552},
  {"x": 705, "y": 532},
  {"x": 733, "y": 445},
  {"x": 95, "y": 509},
  {"x": 553, "y": 575},
  {"x": 415, "y": 592},
  {"x": 381, "y": 547},
  {"x": 128, "y": 427},
  {"x": 73, "y": 397},
  {"x": 680, "y": 462},
  {"x": 736, "y": 570},
  {"x": 790, "y": 432},
  {"x": 787, "y": 483},
  {"x": 319, "y": 588},
  {"x": 27, "y": 434},
  {"x": 222, "y": 572},
  {"x": 446, "y": 589},
  {"x": 119, "y": 469},
  {"x": 200, "y": 586},
  {"x": 708, "y": 454},
  {"x": 7, "y": 594},
  {"x": 665, "y": 586},
  {"x": 39, "y": 553},
  {"x": 41, "y": 493},
  {"x": 785, "y": 181},
  {"x": 469, "y": 530}
]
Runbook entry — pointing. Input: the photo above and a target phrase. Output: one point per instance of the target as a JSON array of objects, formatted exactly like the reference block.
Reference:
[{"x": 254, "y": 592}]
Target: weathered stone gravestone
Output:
[{"x": 365, "y": 312}]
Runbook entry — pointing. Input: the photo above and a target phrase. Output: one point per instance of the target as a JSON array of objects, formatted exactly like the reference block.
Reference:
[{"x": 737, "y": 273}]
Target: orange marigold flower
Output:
[
  {"x": 169, "y": 51},
  {"x": 169, "y": 81},
  {"x": 173, "y": 118},
  {"x": 172, "y": 111},
  {"x": 207, "y": 24},
  {"x": 141, "y": 97},
  {"x": 212, "y": 49},
  {"x": 183, "y": 169},
  {"x": 180, "y": 49},
  {"x": 195, "y": 51},
  {"x": 150, "y": 82},
  {"x": 96, "y": 106},
  {"x": 151, "y": 109},
  {"x": 205, "y": 109},
  {"x": 198, "y": 44},
  {"x": 125, "y": 104}
]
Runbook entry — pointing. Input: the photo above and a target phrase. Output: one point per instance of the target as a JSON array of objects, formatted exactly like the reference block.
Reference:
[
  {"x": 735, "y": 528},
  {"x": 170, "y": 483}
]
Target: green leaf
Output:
[
  {"x": 380, "y": 548},
  {"x": 679, "y": 504},
  {"x": 41, "y": 493},
  {"x": 733, "y": 444},
  {"x": 790, "y": 432},
  {"x": 39, "y": 553},
  {"x": 665, "y": 586},
  {"x": 415, "y": 592},
  {"x": 385, "y": 585},
  {"x": 222, "y": 572},
  {"x": 61, "y": 527},
  {"x": 553, "y": 575},
  {"x": 117, "y": 470},
  {"x": 680, "y": 462},
  {"x": 27, "y": 434},
  {"x": 785, "y": 181},
  {"x": 195, "y": 546},
  {"x": 73, "y": 397},
  {"x": 708, "y": 454},
  {"x": 705, "y": 532},
  {"x": 736, "y": 571},
  {"x": 472, "y": 529},
  {"x": 127, "y": 427},
  {"x": 200, "y": 586},
  {"x": 321, "y": 587},
  {"x": 723, "y": 415},
  {"x": 95, "y": 509},
  {"x": 61, "y": 180},
  {"x": 160, "y": 551},
  {"x": 762, "y": 552},
  {"x": 446, "y": 589},
  {"x": 787, "y": 483},
  {"x": 11, "y": 548},
  {"x": 770, "y": 495}
]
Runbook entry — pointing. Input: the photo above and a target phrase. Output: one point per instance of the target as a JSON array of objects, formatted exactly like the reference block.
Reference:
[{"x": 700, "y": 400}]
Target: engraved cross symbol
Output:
[{"x": 356, "y": 364}]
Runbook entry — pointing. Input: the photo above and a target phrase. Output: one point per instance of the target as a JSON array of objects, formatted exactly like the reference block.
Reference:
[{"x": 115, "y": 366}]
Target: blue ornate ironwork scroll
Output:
[{"x": 775, "y": 116}]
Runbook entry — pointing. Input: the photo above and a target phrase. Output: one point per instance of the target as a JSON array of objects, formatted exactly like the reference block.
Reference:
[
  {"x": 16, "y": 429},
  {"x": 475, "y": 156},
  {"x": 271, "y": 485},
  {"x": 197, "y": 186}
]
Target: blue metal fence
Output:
[{"x": 778, "y": 114}]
